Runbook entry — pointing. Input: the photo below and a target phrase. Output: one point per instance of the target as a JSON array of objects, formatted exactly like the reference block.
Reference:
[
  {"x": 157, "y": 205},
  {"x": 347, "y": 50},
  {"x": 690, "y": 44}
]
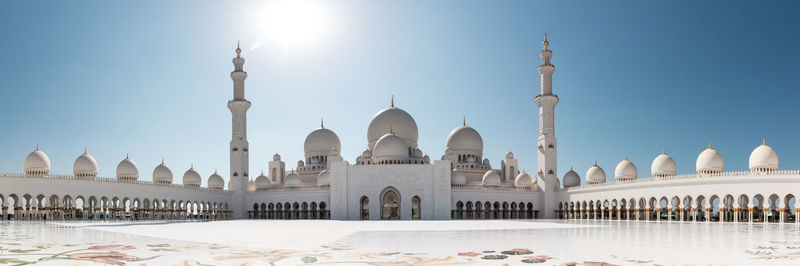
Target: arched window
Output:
[
  {"x": 416, "y": 204},
  {"x": 364, "y": 208}
]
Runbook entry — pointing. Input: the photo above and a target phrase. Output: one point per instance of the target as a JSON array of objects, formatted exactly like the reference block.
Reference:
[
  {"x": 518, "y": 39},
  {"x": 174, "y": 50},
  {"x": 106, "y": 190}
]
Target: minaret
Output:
[
  {"x": 546, "y": 144},
  {"x": 239, "y": 146}
]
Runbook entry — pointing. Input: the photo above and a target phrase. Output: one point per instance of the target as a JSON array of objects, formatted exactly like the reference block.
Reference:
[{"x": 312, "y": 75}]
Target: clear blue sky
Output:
[{"x": 152, "y": 79}]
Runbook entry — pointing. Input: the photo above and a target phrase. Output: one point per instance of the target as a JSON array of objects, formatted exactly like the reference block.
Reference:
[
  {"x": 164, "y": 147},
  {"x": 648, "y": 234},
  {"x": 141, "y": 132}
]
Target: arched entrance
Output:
[{"x": 390, "y": 204}]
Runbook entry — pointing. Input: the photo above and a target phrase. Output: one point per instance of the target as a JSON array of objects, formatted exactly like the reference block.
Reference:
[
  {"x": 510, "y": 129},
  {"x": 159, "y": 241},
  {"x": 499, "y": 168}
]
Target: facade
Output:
[{"x": 394, "y": 179}]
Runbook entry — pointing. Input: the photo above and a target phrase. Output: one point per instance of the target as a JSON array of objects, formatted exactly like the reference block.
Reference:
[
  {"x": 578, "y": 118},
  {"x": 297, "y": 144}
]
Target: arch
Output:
[
  {"x": 416, "y": 207},
  {"x": 390, "y": 203},
  {"x": 789, "y": 203},
  {"x": 364, "y": 209}
]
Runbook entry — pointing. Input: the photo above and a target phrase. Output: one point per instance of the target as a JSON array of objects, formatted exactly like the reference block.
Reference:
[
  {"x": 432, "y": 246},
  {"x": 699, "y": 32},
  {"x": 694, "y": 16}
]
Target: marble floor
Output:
[{"x": 317, "y": 242}]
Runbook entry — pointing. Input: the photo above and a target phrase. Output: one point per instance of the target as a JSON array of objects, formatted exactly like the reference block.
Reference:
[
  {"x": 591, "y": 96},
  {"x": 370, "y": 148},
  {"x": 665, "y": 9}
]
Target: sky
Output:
[{"x": 151, "y": 79}]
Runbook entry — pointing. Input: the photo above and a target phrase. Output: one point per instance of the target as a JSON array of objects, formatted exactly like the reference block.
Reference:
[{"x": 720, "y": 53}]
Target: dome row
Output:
[
  {"x": 492, "y": 178},
  {"x": 762, "y": 159},
  {"x": 38, "y": 164},
  {"x": 262, "y": 182}
]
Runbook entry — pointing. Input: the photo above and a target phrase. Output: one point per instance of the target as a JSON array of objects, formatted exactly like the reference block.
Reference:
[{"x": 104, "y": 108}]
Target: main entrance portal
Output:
[{"x": 390, "y": 205}]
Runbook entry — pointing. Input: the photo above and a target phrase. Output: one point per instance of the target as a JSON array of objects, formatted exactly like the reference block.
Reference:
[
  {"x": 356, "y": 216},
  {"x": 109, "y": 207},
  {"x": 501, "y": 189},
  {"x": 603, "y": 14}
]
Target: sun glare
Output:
[{"x": 295, "y": 22}]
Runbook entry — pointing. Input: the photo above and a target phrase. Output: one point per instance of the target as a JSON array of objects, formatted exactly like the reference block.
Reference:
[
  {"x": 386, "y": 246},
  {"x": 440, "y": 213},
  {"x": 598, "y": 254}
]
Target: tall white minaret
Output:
[
  {"x": 239, "y": 147},
  {"x": 546, "y": 144}
]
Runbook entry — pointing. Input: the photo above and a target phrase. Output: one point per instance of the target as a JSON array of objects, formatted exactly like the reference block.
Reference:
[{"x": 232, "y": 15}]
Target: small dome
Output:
[
  {"x": 491, "y": 177},
  {"x": 625, "y": 171},
  {"x": 763, "y": 158},
  {"x": 324, "y": 178},
  {"x": 710, "y": 162},
  {"x": 127, "y": 170},
  {"x": 215, "y": 182},
  {"x": 262, "y": 182},
  {"x": 192, "y": 178},
  {"x": 464, "y": 139},
  {"x": 391, "y": 146},
  {"x": 276, "y": 157},
  {"x": 485, "y": 162},
  {"x": 418, "y": 153},
  {"x": 523, "y": 180},
  {"x": 572, "y": 179},
  {"x": 509, "y": 155},
  {"x": 300, "y": 163},
  {"x": 162, "y": 174},
  {"x": 321, "y": 141},
  {"x": 401, "y": 123},
  {"x": 458, "y": 178},
  {"x": 595, "y": 175},
  {"x": 85, "y": 166},
  {"x": 37, "y": 163},
  {"x": 366, "y": 154},
  {"x": 663, "y": 165},
  {"x": 292, "y": 179}
]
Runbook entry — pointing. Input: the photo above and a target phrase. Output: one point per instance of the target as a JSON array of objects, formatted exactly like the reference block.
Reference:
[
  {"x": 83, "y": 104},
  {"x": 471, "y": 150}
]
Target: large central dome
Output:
[{"x": 396, "y": 120}]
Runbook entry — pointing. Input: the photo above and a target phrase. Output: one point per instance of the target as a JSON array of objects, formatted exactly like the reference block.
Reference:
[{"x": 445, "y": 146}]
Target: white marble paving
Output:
[{"x": 413, "y": 242}]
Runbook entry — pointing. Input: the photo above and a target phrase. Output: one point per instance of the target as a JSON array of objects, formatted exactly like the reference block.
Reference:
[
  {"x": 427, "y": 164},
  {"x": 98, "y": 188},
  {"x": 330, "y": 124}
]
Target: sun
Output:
[{"x": 295, "y": 22}]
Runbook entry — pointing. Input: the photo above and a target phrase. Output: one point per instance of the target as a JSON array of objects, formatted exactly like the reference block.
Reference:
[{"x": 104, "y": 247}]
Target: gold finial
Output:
[
  {"x": 545, "y": 42},
  {"x": 37, "y": 147},
  {"x": 126, "y": 155},
  {"x": 464, "y": 122},
  {"x": 238, "y": 50},
  {"x": 392, "y": 100},
  {"x": 322, "y": 122},
  {"x": 663, "y": 151},
  {"x": 764, "y": 141},
  {"x": 390, "y": 129},
  {"x": 84, "y": 150},
  {"x": 162, "y": 160},
  {"x": 191, "y": 166},
  {"x": 626, "y": 157},
  {"x": 709, "y": 144},
  {"x": 595, "y": 163}
]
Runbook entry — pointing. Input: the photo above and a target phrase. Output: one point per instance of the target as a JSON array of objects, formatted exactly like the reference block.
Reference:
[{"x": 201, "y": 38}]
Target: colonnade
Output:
[
  {"x": 54, "y": 207},
  {"x": 751, "y": 208},
  {"x": 290, "y": 211},
  {"x": 494, "y": 210}
]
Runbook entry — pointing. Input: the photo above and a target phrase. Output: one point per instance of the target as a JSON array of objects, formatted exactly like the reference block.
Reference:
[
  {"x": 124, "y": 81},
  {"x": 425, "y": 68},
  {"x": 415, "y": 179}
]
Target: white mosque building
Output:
[{"x": 394, "y": 179}]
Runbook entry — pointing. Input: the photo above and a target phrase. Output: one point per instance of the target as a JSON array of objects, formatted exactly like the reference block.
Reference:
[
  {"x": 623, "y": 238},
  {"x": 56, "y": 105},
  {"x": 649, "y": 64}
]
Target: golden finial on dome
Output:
[
  {"x": 626, "y": 157},
  {"x": 126, "y": 155},
  {"x": 37, "y": 147},
  {"x": 322, "y": 122},
  {"x": 764, "y": 141},
  {"x": 545, "y": 42},
  {"x": 238, "y": 50},
  {"x": 464, "y": 122},
  {"x": 709, "y": 144},
  {"x": 663, "y": 151},
  {"x": 392, "y": 100},
  {"x": 84, "y": 150}
]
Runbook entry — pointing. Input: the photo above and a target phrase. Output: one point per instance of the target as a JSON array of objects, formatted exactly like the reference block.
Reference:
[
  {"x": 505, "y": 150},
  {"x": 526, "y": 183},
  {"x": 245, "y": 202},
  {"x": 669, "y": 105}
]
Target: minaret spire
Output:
[
  {"x": 547, "y": 143},
  {"x": 239, "y": 147},
  {"x": 392, "y": 101},
  {"x": 322, "y": 122}
]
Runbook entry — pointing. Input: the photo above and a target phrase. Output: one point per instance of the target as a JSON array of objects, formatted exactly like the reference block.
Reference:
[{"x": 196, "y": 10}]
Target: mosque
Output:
[{"x": 394, "y": 179}]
